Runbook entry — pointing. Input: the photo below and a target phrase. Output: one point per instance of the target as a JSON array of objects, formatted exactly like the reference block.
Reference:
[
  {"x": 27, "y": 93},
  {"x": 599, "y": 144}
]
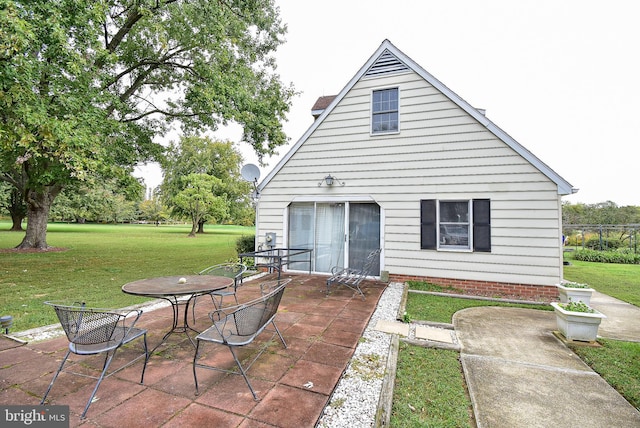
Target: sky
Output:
[{"x": 560, "y": 77}]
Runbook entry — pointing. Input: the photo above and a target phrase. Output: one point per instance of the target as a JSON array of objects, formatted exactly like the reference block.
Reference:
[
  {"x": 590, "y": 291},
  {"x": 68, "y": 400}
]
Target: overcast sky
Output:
[{"x": 561, "y": 77}]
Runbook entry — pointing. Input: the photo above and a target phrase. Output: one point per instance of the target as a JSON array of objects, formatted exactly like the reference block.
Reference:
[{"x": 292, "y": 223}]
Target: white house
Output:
[{"x": 399, "y": 161}]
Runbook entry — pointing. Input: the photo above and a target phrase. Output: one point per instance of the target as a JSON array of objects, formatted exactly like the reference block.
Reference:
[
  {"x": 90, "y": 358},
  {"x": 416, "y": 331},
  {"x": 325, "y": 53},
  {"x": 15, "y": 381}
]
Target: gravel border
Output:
[{"x": 356, "y": 398}]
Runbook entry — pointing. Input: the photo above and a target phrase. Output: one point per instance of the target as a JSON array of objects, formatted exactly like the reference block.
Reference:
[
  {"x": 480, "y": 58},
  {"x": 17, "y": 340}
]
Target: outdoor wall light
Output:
[
  {"x": 329, "y": 180},
  {"x": 6, "y": 322}
]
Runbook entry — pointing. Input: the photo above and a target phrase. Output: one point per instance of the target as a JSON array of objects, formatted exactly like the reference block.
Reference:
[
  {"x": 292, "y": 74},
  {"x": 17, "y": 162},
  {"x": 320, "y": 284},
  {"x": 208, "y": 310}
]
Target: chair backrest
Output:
[
  {"x": 253, "y": 316},
  {"x": 86, "y": 326},
  {"x": 369, "y": 262},
  {"x": 268, "y": 286},
  {"x": 229, "y": 270}
]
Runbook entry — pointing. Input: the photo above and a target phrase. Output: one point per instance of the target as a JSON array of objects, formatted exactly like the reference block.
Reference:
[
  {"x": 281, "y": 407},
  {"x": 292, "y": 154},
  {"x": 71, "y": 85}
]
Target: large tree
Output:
[
  {"x": 202, "y": 155},
  {"x": 85, "y": 85},
  {"x": 198, "y": 201}
]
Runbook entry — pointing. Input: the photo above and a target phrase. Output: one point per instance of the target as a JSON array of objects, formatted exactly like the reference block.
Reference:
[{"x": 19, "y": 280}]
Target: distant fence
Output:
[{"x": 602, "y": 237}]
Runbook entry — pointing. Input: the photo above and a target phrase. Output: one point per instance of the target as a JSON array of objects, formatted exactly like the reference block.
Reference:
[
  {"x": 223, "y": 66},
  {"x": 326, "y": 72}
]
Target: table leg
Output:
[{"x": 176, "y": 327}]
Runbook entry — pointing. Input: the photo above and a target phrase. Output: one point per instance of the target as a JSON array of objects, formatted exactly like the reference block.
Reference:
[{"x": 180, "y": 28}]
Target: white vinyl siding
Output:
[{"x": 442, "y": 153}]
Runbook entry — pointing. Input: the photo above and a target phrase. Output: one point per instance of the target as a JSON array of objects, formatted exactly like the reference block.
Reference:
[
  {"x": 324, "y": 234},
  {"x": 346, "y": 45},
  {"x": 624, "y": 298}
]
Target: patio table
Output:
[{"x": 178, "y": 294}]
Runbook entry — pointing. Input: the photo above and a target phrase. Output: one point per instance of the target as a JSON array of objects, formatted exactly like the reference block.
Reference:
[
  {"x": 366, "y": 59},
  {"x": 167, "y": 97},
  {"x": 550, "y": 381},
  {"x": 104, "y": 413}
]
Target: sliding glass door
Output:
[
  {"x": 323, "y": 227},
  {"x": 329, "y": 238},
  {"x": 364, "y": 234}
]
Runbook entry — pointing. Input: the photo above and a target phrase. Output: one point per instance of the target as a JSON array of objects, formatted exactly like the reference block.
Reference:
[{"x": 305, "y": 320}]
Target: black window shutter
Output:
[
  {"x": 428, "y": 234},
  {"x": 482, "y": 225}
]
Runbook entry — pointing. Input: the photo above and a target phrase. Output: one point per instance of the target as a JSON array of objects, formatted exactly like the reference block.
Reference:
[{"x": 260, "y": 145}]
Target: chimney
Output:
[{"x": 320, "y": 105}]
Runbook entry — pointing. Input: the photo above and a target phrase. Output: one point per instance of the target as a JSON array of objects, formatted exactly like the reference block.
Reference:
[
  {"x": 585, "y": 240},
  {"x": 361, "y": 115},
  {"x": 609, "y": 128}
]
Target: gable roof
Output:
[{"x": 389, "y": 59}]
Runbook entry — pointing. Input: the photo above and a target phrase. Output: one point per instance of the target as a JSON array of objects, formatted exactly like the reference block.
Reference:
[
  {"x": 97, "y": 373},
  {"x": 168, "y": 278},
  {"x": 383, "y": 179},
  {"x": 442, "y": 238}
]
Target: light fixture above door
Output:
[{"x": 329, "y": 180}]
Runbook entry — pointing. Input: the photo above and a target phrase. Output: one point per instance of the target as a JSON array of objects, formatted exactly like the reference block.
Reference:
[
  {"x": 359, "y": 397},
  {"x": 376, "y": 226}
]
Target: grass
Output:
[
  {"x": 617, "y": 280},
  {"x": 421, "y": 398},
  {"x": 428, "y": 307},
  {"x": 98, "y": 260},
  {"x": 616, "y": 361}
]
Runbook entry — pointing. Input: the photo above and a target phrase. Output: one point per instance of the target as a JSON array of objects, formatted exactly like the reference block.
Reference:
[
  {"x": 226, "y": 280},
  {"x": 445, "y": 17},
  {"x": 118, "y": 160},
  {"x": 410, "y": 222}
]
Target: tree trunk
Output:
[
  {"x": 38, "y": 207},
  {"x": 16, "y": 219},
  {"x": 194, "y": 226},
  {"x": 200, "y": 227},
  {"x": 17, "y": 210}
]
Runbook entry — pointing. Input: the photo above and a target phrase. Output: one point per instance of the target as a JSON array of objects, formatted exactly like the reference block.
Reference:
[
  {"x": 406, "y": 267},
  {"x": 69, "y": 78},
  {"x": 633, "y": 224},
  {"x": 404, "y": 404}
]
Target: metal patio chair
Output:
[
  {"x": 238, "y": 326},
  {"x": 92, "y": 331},
  {"x": 229, "y": 270},
  {"x": 353, "y": 277}
]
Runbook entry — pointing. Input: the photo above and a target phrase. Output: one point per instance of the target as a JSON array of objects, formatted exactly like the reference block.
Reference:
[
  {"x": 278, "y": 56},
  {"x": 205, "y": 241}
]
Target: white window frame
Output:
[
  {"x": 442, "y": 245},
  {"x": 394, "y": 131}
]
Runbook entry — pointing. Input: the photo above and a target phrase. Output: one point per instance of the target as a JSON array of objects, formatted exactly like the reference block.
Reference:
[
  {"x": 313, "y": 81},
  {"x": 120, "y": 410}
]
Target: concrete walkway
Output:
[
  {"x": 623, "y": 319},
  {"x": 520, "y": 375}
]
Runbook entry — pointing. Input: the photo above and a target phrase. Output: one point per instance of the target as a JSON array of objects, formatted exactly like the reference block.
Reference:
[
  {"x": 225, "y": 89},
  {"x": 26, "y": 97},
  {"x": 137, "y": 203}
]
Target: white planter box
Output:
[
  {"x": 581, "y": 326},
  {"x": 575, "y": 294}
]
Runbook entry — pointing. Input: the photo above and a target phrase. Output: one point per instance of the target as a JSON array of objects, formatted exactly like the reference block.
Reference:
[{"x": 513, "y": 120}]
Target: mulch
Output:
[{"x": 32, "y": 250}]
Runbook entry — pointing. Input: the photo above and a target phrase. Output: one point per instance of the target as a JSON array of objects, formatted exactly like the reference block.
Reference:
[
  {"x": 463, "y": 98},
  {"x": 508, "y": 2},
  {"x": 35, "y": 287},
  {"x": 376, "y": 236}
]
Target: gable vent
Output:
[{"x": 387, "y": 63}]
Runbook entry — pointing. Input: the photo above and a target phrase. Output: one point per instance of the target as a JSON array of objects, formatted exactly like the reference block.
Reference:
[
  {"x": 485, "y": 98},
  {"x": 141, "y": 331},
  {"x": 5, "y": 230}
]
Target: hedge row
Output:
[{"x": 620, "y": 256}]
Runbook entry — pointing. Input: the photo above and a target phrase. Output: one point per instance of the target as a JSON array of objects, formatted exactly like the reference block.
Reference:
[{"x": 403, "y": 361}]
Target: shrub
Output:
[
  {"x": 246, "y": 244},
  {"x": 608, "y": 243},
  {"x": 622, "y": 257}
]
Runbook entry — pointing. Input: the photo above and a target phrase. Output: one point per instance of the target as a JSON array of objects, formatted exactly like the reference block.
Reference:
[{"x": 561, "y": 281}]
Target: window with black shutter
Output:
[{"x": 453, "y": 227}]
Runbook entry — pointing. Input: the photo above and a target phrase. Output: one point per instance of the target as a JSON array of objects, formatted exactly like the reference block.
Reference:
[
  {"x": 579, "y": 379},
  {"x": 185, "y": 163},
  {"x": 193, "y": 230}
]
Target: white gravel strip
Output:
[{"x": 355, "y": 400}]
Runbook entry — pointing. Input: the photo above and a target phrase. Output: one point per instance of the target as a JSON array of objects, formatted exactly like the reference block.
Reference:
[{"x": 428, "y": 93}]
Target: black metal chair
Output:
[
  {"x": 229, "y": 270},
  {"x": 92, "y": 331},
  {"x": 237, "y": 326}
]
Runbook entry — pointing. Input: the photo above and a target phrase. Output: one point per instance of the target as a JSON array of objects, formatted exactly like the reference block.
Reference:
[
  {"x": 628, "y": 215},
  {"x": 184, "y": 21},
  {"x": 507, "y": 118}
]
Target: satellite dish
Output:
[{"x": 250, "y": 172}]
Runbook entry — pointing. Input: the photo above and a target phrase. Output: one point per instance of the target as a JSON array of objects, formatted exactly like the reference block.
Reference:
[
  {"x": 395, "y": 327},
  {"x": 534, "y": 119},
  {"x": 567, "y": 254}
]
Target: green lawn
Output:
[
  {"x": 439, "y": 384},
  {"x": 429, "y": 390},
  {"x": 428, "y": 307},
  {"x": 621, "y": 281},
  {"x": 98, "y": 260}
]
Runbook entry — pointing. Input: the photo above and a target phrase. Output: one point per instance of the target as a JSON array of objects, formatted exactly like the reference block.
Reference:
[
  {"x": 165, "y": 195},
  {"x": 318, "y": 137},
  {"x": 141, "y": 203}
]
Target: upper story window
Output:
[{"x": 384, "y": 111}]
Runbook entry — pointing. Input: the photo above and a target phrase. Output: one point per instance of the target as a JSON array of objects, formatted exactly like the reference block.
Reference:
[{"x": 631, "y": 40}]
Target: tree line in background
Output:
[
  {"x": 202, "y": 183},
  {"x": 608, "y": 213},
  {"x": 603, "y": 232}
]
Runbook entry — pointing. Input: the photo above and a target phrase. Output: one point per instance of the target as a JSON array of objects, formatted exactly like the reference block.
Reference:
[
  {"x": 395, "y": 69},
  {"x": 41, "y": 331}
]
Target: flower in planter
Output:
[
  {"x": 577, "y": 307},
  {"x": 571, "y": 284}
]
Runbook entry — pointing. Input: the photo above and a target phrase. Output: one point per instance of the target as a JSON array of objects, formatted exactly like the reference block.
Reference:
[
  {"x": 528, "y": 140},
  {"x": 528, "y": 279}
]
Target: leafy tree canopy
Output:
[
  {"x": 86, "y": 85},
  {"x": 600, "y": 213},
  {"x": 201, "y": 155},
  {"x": 197, "y": 200}
]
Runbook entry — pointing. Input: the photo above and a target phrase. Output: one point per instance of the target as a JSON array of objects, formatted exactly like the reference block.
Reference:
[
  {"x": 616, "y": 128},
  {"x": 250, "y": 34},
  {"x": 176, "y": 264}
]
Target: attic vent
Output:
[{"x": 386, "y": 63}]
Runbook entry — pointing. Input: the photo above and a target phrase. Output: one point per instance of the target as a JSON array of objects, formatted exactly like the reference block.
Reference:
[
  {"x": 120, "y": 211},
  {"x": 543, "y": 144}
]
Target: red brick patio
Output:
[{"x": 321, "y": 333}]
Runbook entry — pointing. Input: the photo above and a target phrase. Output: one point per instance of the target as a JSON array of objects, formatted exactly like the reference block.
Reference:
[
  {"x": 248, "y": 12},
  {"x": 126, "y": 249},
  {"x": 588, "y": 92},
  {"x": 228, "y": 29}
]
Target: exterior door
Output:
[
  {"x": 335, "y": 241},
  {"x": 364, "y": 234}
]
